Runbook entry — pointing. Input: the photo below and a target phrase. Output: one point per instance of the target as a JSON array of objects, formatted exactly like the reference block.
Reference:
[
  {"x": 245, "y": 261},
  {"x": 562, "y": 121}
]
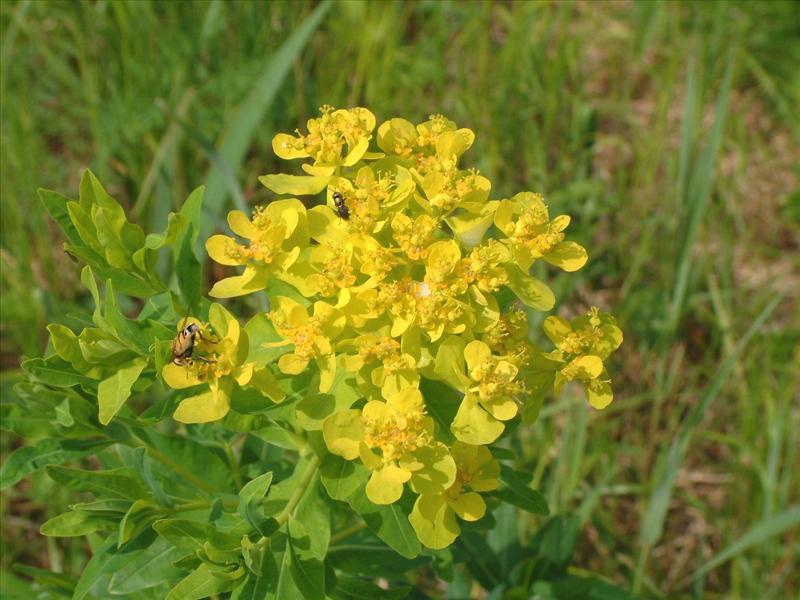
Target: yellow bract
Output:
[{"x": 219, "y": 363}]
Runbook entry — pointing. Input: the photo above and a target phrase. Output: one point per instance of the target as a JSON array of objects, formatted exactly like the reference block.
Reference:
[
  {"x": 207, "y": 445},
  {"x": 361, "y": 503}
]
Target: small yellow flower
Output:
[
  {"x": 337, "y": 138},
  {"x": 312, "y": 337},
  {"x": 433, "y": 516},
  {"x": 395, "y": 440},
  {"x": 414, "y": 236},
  {"x": 276, "y": 234},
  {"x": 494, "y": 380},
  {"x": 382, "y": 363},
  {"x": 218, "y": 363},
  {"x": 484, "y": 266},
  {"x": 582, "y": 346},
  {"x": 526, "y": 222}
]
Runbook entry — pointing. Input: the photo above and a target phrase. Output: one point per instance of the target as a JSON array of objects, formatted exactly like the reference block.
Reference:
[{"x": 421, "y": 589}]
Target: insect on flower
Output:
[
  {"x": 341, "y": 207},
  {"x": 183, "y": 345}
]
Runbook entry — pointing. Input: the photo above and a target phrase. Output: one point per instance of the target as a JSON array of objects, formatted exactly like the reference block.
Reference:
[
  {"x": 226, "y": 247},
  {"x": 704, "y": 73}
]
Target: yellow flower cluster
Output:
[{"x": 393, "y": 280}]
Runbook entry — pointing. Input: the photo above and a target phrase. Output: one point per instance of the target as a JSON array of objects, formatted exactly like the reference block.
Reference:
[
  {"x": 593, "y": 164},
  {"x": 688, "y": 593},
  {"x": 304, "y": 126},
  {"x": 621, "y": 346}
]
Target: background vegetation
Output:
[{"x": 669, "y": 131}]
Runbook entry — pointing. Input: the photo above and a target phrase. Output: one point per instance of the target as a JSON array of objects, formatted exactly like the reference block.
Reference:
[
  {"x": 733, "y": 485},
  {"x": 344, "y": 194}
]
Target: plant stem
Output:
[
  {"x": 299, "y": 492},
  {"x": 347, "y": 532}
]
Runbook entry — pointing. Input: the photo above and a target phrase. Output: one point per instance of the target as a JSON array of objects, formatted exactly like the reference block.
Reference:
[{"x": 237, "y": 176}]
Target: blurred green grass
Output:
[{"x": 668, "y": 131}]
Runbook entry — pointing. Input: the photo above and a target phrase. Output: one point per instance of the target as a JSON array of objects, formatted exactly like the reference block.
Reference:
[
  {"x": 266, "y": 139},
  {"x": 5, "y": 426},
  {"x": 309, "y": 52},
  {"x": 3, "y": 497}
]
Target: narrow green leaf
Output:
[
  {"x": 114, "y": 391},
  {"x": 117, "y": 483},
  {"x": 671, "y": 458},
  {"x": 315, "y": 515},
  {"x": 148, "y": 569},
  {"x": 371, "y": 560},
  {"x": 757, "y": 535},
  {"x": 78, "y": 522},
  {"x": 56, "y": 372},
  {"x": 389, "y": 522},
  {"x": 518, "y": 492},
  {"x": 48, "y": 451},
  {"x": 187, "y": 267},
  {"x": 699, "y": 195},
  {"x": 200, "y": 583},
  {"x": 56, "y": 205},
  {"x": 306, "y": 570}
]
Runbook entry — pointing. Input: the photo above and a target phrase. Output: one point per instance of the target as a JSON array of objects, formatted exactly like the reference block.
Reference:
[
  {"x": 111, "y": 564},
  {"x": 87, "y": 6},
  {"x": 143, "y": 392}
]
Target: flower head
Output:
[
  {"x": 525, "y": 220},
  {"x": 276, "y": 234},
  {"x": 336, "y": 138},
  {"x": 219, "y": 363},
  {"x": 581, "y": 347},
  {"x": 433, "y": 516},
  {"x": 395, "y": 440}
]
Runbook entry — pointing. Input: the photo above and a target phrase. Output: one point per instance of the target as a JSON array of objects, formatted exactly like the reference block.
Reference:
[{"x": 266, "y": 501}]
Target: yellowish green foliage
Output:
[{"x": 417, "y": 276}]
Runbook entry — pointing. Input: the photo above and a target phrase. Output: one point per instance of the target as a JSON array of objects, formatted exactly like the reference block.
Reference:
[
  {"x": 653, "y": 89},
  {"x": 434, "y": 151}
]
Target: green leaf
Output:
[
  {"x": 556, "y": 539},
  {"x": 306, "y": 571},
  {"x": 530, "y": 290},
  {"x": 56, "y": 205},
  {"x": 389, "y": 522},
  {"x": 67, "y": 346},
  {"x": 200, "y": 583},
  {"x": 148, "y": 569},
  {"x": 255, "y": 588},
  {"x": 449, "y": 365},
  {"x": 442, "y": 404},
  {"x": 352, "y": 588},
  {"x": 341, "y": 477},
  {"x": 187, "y": 267},
  {"x": 315, "y": 515},
  {"x": 194, "y": 462},
  {"x": 114, "y": 391},
  {"x": 117, "y": 483},
  {"x": 480, "y": 559},
  {"x": 48, "y": 451},
  {"x": 137, "y": 519},
  {"x": 57, "y": 585},
  {"x": 138, "y": 460},
  {"x": 371, "y": 560},
  {"x": 105, "y": 560},
  {"x": 296, "y": 185},
  {"x": 56, "y": 372},
  {"x": 137, "y": 335},
  {"x": 191, "y": 535},
  {"x": 251, "y": 500},
  {"x": 517, "y": 492},
  {"x": 78, "y": 522},
  {"x": 260, "y": 330}
]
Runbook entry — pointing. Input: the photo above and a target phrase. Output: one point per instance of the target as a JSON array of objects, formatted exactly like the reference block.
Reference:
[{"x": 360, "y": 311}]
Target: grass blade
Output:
[
  {"x": 699, "y": 194},
  {"x": 670, "y": 461},
  {"x": 244, "y": 121},
  {"x": 758, "y": 534}
]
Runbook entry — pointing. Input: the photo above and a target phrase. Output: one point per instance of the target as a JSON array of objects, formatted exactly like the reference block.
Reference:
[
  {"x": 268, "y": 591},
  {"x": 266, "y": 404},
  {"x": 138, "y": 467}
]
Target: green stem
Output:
[
  {"x": 201, "y": 504},
  {"x": 347, "y": 532},
  {"x": 300, "y": 490}
]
